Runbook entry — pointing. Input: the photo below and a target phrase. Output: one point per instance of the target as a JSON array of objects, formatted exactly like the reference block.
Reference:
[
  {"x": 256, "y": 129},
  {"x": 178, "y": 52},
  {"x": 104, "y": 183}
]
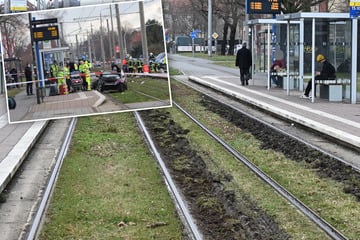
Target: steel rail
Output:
[
  {"x": 307, "y": 143},
  {"x": 35, "y": 226},
  {"x": 325, "y": 226},
  {"x": 175, "y": 194}
]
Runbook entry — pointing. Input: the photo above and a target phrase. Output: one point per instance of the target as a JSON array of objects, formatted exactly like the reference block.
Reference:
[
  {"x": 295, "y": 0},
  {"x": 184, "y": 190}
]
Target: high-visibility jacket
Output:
[
  {"x": 81, "y": 67},
  {"x": 60, "y": 77},
  {"x": 88, "y": 78},
  {"x": 67, "y": 72},
  {"x": 54, "y": 70}
]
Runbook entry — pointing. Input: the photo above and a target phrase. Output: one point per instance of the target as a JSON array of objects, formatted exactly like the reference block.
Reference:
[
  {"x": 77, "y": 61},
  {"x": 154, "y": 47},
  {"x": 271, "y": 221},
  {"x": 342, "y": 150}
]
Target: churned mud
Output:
[
  {"x": 322, "y": 164},
  {"x": 218, "y": 215}
]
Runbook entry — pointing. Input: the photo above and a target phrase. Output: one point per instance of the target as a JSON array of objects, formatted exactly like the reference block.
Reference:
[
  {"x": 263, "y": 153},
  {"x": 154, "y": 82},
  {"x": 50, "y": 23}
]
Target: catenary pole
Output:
[{"x": 209, "y": 27}]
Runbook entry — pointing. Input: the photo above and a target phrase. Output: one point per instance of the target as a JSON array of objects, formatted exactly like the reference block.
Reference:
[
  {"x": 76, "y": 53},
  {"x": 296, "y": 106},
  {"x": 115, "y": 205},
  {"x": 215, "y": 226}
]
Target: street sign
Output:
[
  {"x": 215, "y": 35},
  {"x": 44, "y": 21},
  {"x": 45, "y": 33},
  {"x": 263, "y": 6},
  {"x": 354, "y": 8},
  {"x": 193, "y": 35}
]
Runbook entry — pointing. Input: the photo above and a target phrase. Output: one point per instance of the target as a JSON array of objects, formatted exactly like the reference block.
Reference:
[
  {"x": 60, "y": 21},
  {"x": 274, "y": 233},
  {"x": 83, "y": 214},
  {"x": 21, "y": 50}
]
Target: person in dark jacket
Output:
[
  {"x": 244, "y": 62},
  {"x": 28, "y": 76},
  {"x": 327, "y": 73}
]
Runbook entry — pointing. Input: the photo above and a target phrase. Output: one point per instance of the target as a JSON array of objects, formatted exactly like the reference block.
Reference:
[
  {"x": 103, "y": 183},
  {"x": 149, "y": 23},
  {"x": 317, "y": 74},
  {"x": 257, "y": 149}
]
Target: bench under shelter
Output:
[{"x": 301, "y": 36}]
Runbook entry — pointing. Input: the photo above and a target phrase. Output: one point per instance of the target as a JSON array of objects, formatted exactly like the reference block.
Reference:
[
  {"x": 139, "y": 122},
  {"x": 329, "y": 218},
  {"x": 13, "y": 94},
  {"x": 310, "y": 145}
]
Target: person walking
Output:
[
  {"x": 28, "y": 76},
  {"x": 327, "y": 72},
  {"x": 244, "y": 62}
]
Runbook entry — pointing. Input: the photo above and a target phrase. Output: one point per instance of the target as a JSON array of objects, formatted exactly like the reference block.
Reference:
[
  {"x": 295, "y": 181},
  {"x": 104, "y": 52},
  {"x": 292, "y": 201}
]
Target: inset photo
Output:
[{"x": 84, "y": 61}]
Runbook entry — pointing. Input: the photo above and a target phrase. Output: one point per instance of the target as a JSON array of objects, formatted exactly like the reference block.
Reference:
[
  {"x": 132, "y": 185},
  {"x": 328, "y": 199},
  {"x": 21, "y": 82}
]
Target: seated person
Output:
[
  {"x": 278, "y": 65},
  {"x": 327, "y": 73}
]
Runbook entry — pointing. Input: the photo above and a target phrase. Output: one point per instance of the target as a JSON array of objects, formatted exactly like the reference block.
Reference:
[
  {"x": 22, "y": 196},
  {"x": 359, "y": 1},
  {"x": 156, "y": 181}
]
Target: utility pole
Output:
[
  {"x": 112, "y": 32},
  {"x": 143, "y": 33},
  {"x": 122, "y": 54},
  {"x": 89, "y": 47},
  {"x": 209, "y": 28},
  {"x": 110, "y": 49},
  {"x": 102, "y": 42},
  {"x": 77, "y": 47},
  {"x": 93, "y": 47}
]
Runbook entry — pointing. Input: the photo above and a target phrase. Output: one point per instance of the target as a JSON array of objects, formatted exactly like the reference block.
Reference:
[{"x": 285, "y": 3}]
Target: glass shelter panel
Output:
[
  {"x": 340, "y": 47},
  {"x": 278, "y": 45}
]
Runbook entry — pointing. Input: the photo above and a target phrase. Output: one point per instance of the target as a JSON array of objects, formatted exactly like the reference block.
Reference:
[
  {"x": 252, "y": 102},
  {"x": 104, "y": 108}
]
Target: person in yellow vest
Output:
[
  {"x": 89, "y": 64},
  {"x": 54, "y": 69},
  {"x": 60, "y": 77},
  {"x": 86, "y": 70},
  {"x": 87, "y": 78}
]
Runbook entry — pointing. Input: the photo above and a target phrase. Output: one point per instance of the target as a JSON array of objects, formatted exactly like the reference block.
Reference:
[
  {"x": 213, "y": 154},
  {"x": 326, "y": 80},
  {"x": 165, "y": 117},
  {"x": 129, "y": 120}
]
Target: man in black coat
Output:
[
  {"x": 244, "y": 62},
  {"x": 28, "y": 76}
]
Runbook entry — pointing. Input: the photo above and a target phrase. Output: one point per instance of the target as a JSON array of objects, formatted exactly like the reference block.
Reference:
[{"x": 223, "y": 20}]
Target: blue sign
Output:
[
  {"x": 354, "y": 12},
  {"x": 193, "y": 35}
]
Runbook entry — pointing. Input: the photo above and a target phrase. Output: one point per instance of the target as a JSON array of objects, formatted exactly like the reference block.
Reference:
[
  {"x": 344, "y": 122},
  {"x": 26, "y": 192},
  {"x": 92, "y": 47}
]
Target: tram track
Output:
[
  {"x": 325, "y": 226},
  {"x": 40, "y": 212},
  {"x": 190, "y": 223}
]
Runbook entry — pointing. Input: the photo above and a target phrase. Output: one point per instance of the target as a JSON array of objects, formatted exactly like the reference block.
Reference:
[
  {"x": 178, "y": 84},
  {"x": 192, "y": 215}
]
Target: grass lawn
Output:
[{"x": 143, "y": 89}]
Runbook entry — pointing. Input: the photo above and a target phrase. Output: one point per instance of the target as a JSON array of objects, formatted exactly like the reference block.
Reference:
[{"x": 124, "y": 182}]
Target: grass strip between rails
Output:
[
  {"x": 143, "y": 89},
  {"x": 324, "y": 196},
  {"x": 110, "y": 186}
]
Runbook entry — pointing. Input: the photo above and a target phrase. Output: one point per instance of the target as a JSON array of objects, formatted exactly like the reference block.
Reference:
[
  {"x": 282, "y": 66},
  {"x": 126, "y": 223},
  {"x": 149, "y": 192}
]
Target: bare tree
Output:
[
  {"x": 292, "y": 6},
  {"x": 13, "y": 29}
]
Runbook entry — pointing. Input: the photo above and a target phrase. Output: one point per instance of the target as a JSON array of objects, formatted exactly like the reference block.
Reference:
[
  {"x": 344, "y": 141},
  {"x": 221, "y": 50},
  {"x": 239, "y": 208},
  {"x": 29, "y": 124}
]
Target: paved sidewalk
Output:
[
  {"x": 59, "y": 106},
  {"x": 15, "y": 140}
]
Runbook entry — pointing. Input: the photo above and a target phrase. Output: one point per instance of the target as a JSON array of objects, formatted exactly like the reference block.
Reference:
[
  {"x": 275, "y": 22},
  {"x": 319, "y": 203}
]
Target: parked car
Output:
[{"x": 111, "y": 81}]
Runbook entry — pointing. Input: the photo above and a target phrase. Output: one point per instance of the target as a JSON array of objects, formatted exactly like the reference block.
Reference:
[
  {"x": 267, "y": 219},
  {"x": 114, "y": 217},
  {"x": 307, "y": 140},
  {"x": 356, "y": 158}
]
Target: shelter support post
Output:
[
  {"x": 313, "y": 62},
  {"x": 354, "y": 50}
]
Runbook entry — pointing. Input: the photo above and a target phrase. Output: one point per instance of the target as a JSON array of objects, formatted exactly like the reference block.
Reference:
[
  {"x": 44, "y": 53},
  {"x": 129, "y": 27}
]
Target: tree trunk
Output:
[
  {"x": 232, "y": 38},
  {"x": 223, "y": 43}
]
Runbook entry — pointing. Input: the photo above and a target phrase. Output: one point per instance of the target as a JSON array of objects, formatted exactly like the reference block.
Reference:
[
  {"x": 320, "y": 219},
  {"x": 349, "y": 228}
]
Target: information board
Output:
[
  {"x": 45, "y": 33},
  {"x": 263, "y": 7}
]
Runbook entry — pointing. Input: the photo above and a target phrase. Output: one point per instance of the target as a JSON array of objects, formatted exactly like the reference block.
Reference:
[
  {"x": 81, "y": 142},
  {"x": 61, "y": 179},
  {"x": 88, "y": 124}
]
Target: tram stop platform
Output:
[
  {"x": 340, "y": 120},
  {"x": 16, "y": 141}
]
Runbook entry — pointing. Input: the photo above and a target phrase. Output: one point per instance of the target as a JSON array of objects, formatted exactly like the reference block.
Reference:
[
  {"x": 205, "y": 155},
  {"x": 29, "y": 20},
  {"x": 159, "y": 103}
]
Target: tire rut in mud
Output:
[{"x": 219, "y": 213}]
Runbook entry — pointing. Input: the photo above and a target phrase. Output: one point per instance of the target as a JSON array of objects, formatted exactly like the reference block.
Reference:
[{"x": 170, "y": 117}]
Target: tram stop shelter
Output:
[{"x": 301, "y": 36}]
